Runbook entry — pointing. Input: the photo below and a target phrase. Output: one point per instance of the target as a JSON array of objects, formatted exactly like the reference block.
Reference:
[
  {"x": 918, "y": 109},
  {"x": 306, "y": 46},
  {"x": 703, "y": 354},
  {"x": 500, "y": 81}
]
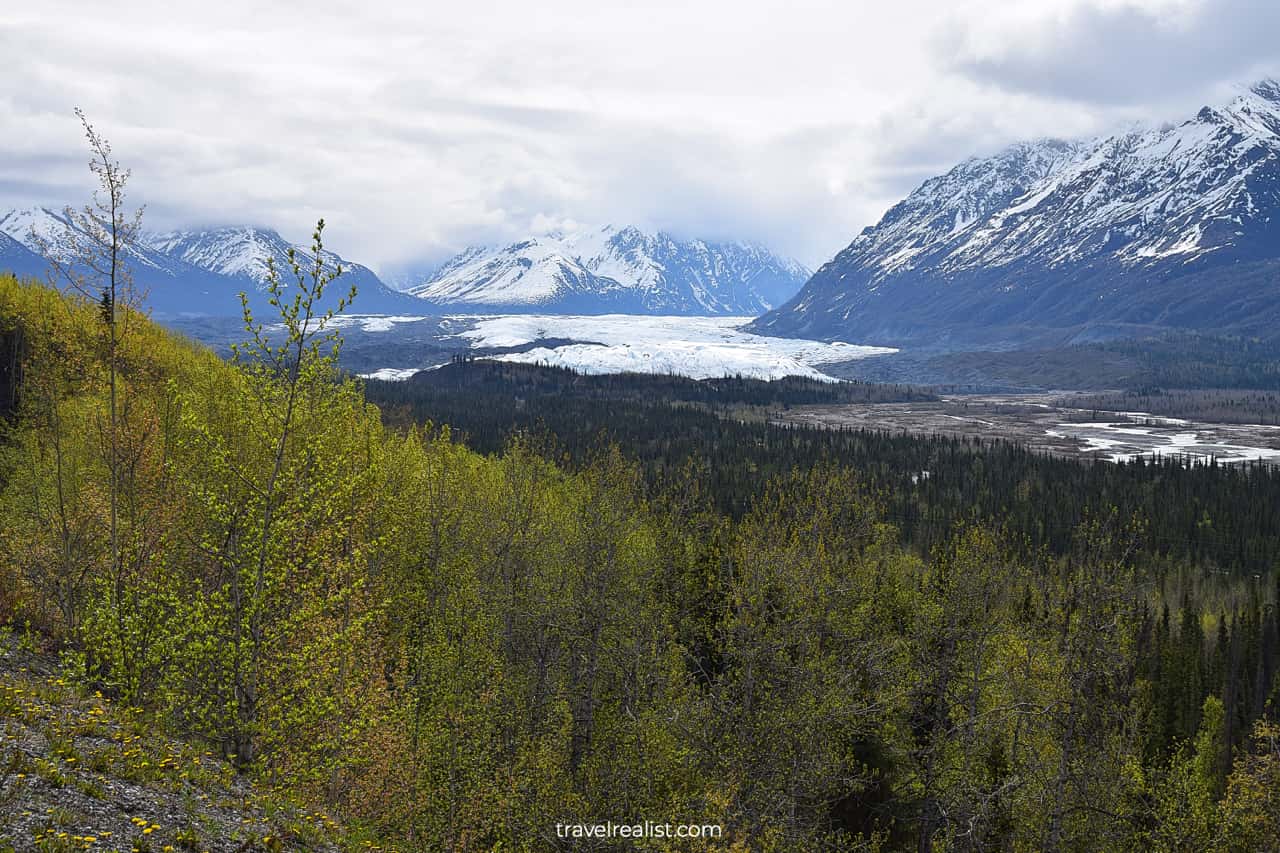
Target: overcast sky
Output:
[{"x": 416, "y": 128}]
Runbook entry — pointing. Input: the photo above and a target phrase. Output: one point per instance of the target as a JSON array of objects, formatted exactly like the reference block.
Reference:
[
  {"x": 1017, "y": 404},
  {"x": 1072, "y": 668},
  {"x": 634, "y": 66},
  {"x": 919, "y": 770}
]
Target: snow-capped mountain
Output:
[
  {"x": 607, "y": 270},
  {"x": 1175, "y": 226},
  {"x": 234, "y": 251},
  {"x": 168, "y": 284},
  {"x": 241, "y": 252},
  {"x": 189, "y": 272},
  {"x": 48, "y": 233}
]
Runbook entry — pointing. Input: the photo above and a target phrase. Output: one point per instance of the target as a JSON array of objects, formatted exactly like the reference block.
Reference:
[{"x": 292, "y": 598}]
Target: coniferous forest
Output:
[
  {"x": 1223, "y": 519},
  {"x": 455, "y": 623}
]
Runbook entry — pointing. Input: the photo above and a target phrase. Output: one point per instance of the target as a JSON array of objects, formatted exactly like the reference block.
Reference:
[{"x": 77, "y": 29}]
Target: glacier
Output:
[{"x": 696, "y": 347}]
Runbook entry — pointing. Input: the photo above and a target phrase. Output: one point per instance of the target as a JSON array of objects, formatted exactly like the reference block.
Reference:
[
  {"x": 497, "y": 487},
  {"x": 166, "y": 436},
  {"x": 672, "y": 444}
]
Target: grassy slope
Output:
[{"x": 79, "y": 773}]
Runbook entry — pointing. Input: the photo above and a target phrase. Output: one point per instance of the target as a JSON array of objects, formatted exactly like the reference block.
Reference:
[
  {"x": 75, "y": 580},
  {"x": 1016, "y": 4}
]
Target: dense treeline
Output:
[
  {"x": 1187, "y": 360},
  {"x": 1212, "y": 405},
  {"x": 459, "y": 651},
  {"x": 1172, "y": 360},
  {"x": 1208, "y": 516}
]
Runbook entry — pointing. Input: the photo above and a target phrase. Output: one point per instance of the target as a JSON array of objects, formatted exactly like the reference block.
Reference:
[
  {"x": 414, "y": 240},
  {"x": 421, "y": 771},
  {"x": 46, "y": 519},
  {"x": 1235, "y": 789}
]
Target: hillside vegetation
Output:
[
  {"x": 80, "y": 772},
  {"x": 451, "y": 651},
  {"x": 1196, "y": 518}
]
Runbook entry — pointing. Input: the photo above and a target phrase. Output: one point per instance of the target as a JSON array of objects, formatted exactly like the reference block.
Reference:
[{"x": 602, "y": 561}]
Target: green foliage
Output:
[
  {"x": 929, "y": 484},
  {"x": 457, "y": 651}
]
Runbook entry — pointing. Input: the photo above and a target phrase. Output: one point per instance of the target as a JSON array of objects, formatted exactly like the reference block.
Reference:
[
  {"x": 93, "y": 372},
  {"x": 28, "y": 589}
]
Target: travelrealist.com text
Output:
[{"x": 644, "y": 829}]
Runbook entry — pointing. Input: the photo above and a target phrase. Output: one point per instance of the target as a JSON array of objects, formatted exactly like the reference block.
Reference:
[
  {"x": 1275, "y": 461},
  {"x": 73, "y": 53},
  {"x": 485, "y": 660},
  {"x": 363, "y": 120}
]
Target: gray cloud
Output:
[{"x": 1121, "y": 54}]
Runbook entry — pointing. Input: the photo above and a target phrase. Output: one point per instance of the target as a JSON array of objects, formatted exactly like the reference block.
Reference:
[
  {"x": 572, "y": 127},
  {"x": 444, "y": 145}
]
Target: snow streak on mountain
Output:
[{"x": 1169, "y": 227}]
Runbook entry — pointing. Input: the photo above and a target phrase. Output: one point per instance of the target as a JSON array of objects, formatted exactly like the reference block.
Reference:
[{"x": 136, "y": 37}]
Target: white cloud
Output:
[{"x": 417, "y": 128}]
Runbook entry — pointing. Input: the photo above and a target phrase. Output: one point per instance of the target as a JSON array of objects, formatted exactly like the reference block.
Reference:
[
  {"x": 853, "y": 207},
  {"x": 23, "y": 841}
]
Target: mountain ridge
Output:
[
  {"x": 188, "y": 273},
  {"x": 614, "y": 270},
  {"x": 241, "y": 252},
  {"x": 1175, "y": 226},
  {"x": 200, "y": 272},
  {"x": 170, "y": 285}
]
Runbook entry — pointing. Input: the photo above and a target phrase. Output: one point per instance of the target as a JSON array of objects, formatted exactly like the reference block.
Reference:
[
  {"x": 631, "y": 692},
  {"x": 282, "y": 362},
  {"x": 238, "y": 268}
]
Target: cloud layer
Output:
[
  {"x": 1120, "y": 53},
  {"x": 417, "y": 128}
]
